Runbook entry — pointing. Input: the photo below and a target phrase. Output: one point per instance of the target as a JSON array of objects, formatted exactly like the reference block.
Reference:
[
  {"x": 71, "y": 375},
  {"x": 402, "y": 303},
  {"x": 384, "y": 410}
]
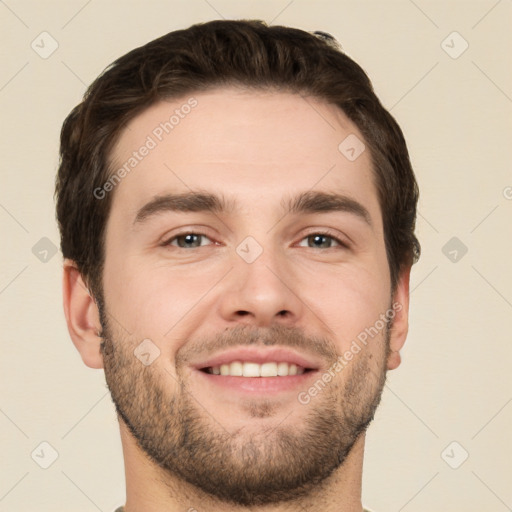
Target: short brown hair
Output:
[{"x": 247, "y": 53}]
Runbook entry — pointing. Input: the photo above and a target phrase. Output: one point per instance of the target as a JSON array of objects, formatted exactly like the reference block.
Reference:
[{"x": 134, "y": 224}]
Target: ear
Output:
[
  {"x": 400, "y": 325},
  {"x": 82, "y": 316}
]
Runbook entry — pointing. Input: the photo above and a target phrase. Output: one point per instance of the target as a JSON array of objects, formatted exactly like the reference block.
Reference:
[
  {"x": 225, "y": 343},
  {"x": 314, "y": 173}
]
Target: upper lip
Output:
[{"x": 259, "y": 355}]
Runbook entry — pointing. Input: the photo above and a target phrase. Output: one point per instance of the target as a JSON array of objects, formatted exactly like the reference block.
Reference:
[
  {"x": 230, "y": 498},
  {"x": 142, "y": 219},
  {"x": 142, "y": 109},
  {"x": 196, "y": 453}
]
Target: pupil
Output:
[
  {"x": 190, "y": 239},
  {"x": 320, "y": 241}
]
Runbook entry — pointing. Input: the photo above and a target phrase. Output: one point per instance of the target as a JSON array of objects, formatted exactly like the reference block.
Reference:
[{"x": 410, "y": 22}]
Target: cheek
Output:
[
  {"x": 346, "y": 301},
  {"x": 158, "y": 301},
  {"x": 164, "y": 301}
]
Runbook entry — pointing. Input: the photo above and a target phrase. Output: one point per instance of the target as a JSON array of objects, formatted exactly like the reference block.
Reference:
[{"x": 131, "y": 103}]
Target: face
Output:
[{"x": 247, "y": 251}]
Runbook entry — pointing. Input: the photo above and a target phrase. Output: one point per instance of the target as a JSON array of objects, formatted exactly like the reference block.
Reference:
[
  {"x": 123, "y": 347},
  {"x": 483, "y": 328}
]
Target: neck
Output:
[{"x": 151, "y": 489}]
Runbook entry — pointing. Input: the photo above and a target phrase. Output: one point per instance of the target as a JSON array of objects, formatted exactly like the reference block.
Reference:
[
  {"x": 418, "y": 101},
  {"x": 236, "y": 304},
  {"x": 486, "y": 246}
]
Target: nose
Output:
[{"x": 262, "y": 292}]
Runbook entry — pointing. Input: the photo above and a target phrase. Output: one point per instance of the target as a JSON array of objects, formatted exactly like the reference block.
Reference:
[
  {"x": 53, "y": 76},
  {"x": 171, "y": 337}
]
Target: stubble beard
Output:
[{"x": 281, "y": 462}]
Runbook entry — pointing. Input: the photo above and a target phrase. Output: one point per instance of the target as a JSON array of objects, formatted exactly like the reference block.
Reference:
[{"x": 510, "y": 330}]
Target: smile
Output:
[{"x": 251, "y": 369}]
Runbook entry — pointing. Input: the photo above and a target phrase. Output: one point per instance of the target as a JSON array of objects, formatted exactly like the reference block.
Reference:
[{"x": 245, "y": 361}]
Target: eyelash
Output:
[{"x": 325, "y": 233}]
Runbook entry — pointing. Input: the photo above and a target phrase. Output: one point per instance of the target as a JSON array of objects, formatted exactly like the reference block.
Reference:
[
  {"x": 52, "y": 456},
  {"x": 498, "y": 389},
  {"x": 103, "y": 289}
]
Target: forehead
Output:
[{"x": 240, "y": 143}]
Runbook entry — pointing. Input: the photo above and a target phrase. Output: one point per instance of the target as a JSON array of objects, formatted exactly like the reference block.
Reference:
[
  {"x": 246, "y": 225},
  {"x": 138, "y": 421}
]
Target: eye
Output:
[
  {"x": 322, "y": 241},
  {"x": 187, "y": 240},
  {"x": 194, "y": 240}
]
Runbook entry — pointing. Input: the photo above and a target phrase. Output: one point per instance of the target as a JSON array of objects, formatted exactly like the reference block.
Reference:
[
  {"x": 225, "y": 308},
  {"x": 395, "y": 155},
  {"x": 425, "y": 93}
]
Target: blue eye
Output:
[
  {"x": 187, "y": 240},
  {"x": 322, "y": 241},
  {"x": 193, "y": 240}
]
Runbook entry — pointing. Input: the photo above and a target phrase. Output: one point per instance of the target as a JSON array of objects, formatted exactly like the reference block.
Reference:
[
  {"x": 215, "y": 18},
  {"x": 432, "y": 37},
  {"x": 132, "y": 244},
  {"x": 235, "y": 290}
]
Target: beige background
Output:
[{"x": 454, "y": 384}]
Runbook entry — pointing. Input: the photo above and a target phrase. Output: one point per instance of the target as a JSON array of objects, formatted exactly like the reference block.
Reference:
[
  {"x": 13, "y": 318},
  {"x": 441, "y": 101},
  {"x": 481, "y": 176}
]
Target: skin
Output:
[{"x": 255, "y": 148}]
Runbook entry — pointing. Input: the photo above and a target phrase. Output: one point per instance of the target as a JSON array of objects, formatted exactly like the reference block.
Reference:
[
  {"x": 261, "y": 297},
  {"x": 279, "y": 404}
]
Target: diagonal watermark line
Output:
[
  {"x": 491, "y": 419},
  {"x": 13, "y": 423},
  {"x": 14, "y": 218},
  {"x": 485, "y": 15},
  {"x": 410, "y": 409},
  {"x": 424, "y": 14},
  {"x": 14, "y": 486},
  {"x": 309, "y": 190},
  {"x": 424, "y": 279},
  {"x": 81, "y": 491},
  {"x": 14, "y": 76},
  {"x": 492, "y": 211},
  {"x": 427, "y": 221},
  {"x": 304, "y": 98},
  {"x": 508, "y": 508},
  {"x": 492, "y": 81},
  {"x": 200, "y": 404},
  {"x": 220, "y": 14},
  {"x": 12, "y": 280},
  {"x": 303, "y": 508},
  {"x": 63, "y": 437},
  {"x": 494, "y": 288},
  {"x": 12, "y": 12},
  {"x": 75, "y": 15},
  {"x": 403, "y": 506},
  {"x": 281, "y": 12},
  {"x": 118, "y": 322},
  {"x": 198, "y": 301},
  {"x": 282, "y": 421},
  {"x": 415, "y": 85},
  {"x": 106, "y": 310},
  {"x": 218, "y": 218},
  {"x": 74, "y": 73}
]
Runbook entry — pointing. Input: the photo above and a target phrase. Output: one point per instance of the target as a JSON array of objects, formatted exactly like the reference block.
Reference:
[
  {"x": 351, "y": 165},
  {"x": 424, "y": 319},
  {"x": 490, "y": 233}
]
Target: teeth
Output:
[
  {"x": 282, "y": 369},
  {"x": 268, "y": 370},
  {"x": 248, "y": 369},
  {"x": 236, "y": 368}
]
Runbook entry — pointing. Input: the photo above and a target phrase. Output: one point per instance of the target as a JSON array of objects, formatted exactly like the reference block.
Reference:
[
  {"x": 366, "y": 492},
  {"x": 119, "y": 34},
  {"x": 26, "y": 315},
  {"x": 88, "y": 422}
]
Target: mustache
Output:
[{"x": 243, "y": 335}]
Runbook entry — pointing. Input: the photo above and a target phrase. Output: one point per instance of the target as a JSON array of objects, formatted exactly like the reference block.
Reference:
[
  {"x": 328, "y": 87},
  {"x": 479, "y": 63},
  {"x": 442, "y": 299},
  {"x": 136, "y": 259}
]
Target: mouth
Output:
[
  {"x": 249, "y": 370},
  {"x": 254, "y": 385}
]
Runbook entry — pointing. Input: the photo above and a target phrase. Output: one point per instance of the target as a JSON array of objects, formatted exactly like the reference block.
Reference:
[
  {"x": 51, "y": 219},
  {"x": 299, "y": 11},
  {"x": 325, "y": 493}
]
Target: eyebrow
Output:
[{"x": 305, "y": 202}]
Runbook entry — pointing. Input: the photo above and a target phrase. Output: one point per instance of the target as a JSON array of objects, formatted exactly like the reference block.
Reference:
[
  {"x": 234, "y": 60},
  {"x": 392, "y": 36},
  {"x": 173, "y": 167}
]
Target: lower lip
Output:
[{"x": 266, "y": 385}]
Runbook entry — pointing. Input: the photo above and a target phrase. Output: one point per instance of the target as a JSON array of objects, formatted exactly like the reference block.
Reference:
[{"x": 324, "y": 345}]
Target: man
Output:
[{"x": 237, "y": 217}]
